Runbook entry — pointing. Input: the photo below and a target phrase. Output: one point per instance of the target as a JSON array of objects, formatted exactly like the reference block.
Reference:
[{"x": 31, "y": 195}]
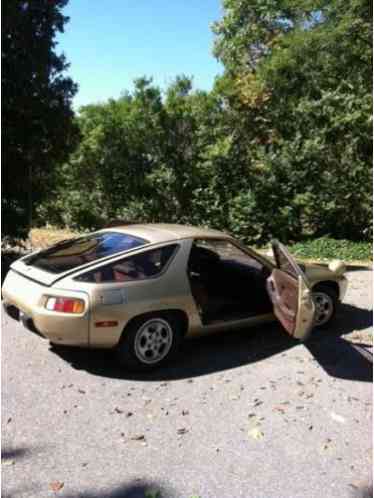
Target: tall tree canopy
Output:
[
  {"x": 298, "y": 78},
  {"x": 38, "y": 127},
  {"x": 281, "y": 147}
]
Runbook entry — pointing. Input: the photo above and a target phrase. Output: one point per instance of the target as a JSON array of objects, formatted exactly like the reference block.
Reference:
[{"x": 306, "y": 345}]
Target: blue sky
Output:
[{"x": 109, "y": 44}]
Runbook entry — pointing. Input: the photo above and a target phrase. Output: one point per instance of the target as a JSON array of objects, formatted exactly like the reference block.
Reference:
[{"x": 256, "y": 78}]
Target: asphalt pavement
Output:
[{"x": 249, "y": 414}]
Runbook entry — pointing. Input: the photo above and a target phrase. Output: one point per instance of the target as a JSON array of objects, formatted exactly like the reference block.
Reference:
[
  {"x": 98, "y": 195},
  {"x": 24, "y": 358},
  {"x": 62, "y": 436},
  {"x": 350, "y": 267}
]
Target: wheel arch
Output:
[
  {"x": 174, "y": 312},
  {"x": 330, "y": 284}
]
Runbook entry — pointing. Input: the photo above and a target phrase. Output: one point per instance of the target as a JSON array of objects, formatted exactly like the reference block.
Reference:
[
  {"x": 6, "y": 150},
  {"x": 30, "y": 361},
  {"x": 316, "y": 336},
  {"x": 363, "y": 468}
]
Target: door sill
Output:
[{"x": 239, "y": 322}]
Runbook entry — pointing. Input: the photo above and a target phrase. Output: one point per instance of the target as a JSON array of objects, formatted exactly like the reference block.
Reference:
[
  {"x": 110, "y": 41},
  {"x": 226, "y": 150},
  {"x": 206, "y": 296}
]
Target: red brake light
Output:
[{"x": 65, "y": 305}]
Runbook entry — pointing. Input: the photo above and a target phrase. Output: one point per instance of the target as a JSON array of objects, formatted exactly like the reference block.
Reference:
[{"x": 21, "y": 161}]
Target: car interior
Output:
[{"x": 226, "y": 283}]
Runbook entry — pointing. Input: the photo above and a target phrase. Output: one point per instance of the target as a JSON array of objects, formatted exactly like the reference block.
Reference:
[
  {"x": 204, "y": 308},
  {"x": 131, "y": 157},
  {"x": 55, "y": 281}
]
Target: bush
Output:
[{"x": 327, "y": 248}]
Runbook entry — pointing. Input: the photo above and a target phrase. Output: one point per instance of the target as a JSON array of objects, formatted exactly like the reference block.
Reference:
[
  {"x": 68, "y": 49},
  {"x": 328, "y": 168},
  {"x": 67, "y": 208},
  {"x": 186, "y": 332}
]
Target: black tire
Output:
[
  {"x": 327, "y": 295},
  {"x": 129, "y": 349}
]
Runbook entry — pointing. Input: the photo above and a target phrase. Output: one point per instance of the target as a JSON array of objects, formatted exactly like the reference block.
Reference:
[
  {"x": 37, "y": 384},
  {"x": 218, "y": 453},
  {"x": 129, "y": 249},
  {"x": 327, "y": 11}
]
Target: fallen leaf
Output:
[
  {"x": 182, "y": 430},
  {"x": 81, "y": 391},
  {"x": 327, "y": 444},
  {"x": 337, "y": 418},
  {"x": 279, "y": 409},
  {"x": 255, "y": 433},
  {"x": 250, "y": 415},
  {"x": 138, "y": 437},
  {"x": 150, "y": 493},
  {"x": 129, "y": 414},
  {"x": 353, "y": 485},
  {"x": 118, "y": 410},
  {"x": 9, "y": 420},
  {"x": 56, "y": 486},
  {"x": 185, "y": 412}
]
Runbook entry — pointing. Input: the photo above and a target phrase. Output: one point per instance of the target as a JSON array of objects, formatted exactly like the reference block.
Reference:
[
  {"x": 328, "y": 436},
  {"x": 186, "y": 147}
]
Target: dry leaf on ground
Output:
[
  {"x": 255, "y": 433},
  {"x": 56, "y": 486},
  {"x": 138, "y": 437}
]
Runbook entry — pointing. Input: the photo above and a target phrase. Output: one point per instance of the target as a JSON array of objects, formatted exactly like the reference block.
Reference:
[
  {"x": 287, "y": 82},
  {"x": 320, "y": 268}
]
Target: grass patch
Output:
[{"x": 325, "y": 248}]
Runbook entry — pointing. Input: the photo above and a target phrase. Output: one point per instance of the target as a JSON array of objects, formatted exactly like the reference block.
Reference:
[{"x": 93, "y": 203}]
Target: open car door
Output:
[{"x": 290, "y": 294}]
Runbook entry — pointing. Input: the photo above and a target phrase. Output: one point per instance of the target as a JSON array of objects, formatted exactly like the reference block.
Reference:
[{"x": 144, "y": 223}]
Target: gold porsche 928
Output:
[{"x": 142, "y": 288}]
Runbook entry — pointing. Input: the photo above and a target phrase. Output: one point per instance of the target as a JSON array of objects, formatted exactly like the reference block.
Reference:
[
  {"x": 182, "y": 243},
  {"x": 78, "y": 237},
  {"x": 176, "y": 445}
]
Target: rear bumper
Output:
[
  {"x": 19, "y": 316},
  {"x": 24, "y": 300}
]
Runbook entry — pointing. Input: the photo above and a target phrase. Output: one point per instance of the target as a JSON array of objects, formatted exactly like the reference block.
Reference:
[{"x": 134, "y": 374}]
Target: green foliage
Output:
[
  {"x": 38, "y": 121},
  {"x": 328, "y": 248},
  {"x": 298, "y": 84},
  {"x": 281, "y": 147},
  {"x": 142, "y": 157}
]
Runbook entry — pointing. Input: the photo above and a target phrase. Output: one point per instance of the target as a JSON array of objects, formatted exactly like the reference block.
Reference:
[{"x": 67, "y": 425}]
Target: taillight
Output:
[{"x": 65, "y": 304}]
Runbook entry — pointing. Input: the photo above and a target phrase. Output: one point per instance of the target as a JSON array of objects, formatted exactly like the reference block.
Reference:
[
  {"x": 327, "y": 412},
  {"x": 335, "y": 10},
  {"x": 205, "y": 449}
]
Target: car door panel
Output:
[
  {"x": 290, "y": 294},
  {"x": 283, "y": 291}
]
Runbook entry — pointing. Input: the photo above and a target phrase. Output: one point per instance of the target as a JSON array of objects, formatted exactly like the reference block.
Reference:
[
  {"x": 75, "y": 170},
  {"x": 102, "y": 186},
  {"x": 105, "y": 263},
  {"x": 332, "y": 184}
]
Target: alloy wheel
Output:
[
  {"x": 324, "y": 307},
  {"x": 153, "y": 340}
]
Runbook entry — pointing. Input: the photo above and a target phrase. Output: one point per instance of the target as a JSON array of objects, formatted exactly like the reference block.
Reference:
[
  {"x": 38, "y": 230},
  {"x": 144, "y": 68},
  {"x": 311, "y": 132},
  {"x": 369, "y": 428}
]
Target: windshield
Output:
[{"x": 70, "y": 254}]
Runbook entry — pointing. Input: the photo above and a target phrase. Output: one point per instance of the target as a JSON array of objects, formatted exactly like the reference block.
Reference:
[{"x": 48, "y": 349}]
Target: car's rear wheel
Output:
[
  {"x": 149, "y": 341},
  {"x": 326, "y": 301}
]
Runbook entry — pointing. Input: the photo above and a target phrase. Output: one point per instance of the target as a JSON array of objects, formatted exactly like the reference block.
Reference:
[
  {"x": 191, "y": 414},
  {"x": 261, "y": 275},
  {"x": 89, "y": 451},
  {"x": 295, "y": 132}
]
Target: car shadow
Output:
[{"x": 338, "y": 356}]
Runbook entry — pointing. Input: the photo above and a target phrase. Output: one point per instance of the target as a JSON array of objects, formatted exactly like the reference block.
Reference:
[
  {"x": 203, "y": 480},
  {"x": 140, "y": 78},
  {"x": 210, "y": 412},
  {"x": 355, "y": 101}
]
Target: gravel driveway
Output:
[{"x": 245, "y": 414}]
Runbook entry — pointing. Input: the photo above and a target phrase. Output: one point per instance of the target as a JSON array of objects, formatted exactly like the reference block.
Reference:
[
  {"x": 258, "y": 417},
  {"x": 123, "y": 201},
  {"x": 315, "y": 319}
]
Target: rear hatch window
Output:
[{"x": 73, "y": 253}]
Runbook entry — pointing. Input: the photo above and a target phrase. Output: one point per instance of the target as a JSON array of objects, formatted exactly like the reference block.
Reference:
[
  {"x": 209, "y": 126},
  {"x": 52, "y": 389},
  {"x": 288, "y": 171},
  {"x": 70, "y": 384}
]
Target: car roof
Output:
[{"x": 164, "y": 232}]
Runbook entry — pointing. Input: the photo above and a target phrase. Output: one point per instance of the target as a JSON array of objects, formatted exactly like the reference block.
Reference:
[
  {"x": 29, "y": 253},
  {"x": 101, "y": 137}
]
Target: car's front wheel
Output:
[
  {"x": 149, "y": 341},
  {"x": 325, "y": 301}
]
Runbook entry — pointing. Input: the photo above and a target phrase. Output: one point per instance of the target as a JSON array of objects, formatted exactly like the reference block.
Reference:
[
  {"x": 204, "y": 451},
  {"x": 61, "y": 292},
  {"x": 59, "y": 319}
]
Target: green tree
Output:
[
  {"x": 39, "y": 129},
  {"x": 298, "y": 84},
  {"x": 143, "y": 156}
]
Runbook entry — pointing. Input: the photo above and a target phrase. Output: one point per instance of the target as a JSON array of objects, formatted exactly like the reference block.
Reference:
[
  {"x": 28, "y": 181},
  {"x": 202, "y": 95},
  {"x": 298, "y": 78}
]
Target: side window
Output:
[
  {"x": 223, "y": 250},
  {"x": 285, "y": 265},
  {"x": 285, "y": 261},
  {"x": 148, "y": 264}
]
